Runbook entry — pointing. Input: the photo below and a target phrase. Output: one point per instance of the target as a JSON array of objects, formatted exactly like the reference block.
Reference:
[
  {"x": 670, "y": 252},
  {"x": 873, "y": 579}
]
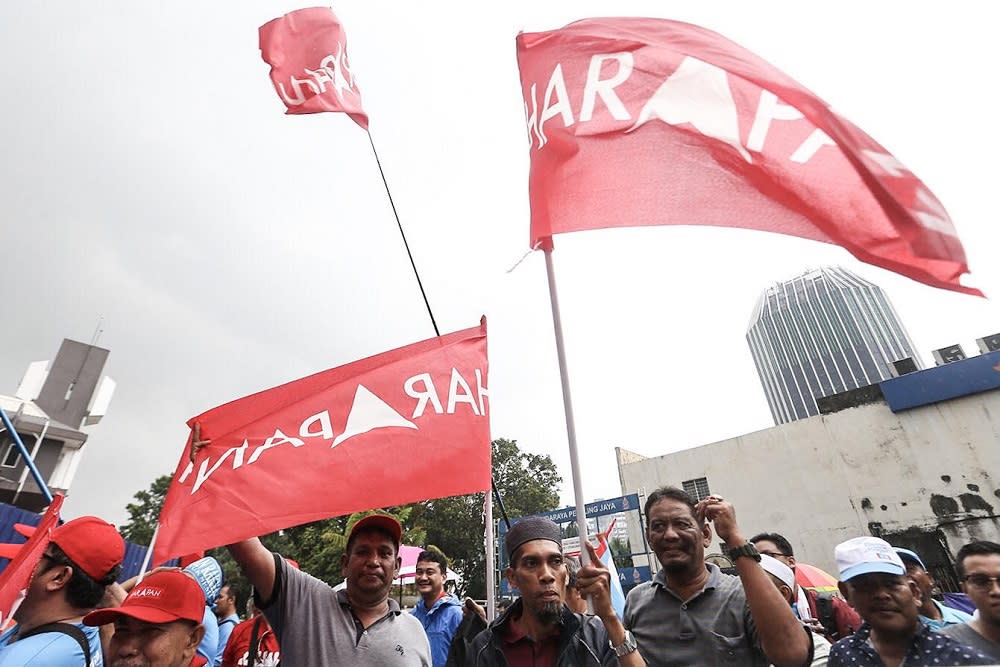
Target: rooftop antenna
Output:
[{"x": 97, "y": 331}]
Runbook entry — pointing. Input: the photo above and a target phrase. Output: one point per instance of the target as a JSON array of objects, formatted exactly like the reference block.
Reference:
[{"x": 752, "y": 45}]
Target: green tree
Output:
[
  {"x": 527, "y": 483},
  {"x": 144, "y": 513}
]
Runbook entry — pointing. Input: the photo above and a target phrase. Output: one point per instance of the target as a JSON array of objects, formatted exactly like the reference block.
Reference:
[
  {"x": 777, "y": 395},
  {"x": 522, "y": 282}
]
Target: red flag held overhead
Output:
[
  {"x": 17, "y": 575},
  {"x": 307, "y": 52},
  {"x": 636, "y": 121},
  {"x": 402, "y": 426}
]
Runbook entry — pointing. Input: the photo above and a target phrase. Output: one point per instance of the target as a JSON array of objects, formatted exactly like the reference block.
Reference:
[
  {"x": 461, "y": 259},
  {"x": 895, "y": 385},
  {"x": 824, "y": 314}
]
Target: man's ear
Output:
[
  {"x": 511, "y": 579},
  {"x": 706, "y": 534},
  {"x": 59, "y": 577},
  {"x": 194, "y": 639},
  {"x": 791, "y": 561},
  {"x": 343, "y": 564},
  {"x": 845, "y": 591},
  {"x": 917, "y": 595}
]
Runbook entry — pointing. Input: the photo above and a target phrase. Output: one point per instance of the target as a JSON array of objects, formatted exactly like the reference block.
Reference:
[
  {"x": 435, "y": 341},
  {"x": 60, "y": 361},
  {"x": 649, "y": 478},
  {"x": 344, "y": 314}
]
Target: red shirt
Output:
[
  {"x": 523, "y": 651},
  {"x": 237, "y": 651}
]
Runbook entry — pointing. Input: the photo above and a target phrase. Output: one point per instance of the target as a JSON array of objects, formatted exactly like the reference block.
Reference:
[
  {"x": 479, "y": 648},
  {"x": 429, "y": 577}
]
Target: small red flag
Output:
[
  {"x": 17, "y": 575},
  {"x": 636, "y": 121},
  {"x": 399, "y": 427},
  {"x": 307, "y": 52}
]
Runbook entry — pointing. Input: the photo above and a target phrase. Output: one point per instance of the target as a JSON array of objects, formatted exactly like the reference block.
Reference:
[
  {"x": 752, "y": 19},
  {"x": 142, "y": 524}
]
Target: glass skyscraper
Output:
[{"x": 822, "y": 333}]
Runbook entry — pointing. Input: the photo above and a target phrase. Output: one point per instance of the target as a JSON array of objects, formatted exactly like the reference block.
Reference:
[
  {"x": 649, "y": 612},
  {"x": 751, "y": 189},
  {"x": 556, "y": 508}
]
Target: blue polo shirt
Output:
[{"x": 50, "y": 649}]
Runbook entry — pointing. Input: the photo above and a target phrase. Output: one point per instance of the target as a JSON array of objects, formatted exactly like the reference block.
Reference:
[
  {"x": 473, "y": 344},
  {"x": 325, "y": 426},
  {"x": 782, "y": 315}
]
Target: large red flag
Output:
[
  {"x": 636, "y": 121},
  {"x": 395, "y": 428},
  {"x": 307, "y": 52},
  {"x": 24, "y": 558}
]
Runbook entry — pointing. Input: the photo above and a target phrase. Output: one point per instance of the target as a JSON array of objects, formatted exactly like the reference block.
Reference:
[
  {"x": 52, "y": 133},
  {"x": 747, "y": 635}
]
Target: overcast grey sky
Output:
[{"x": 149, "y": 176}]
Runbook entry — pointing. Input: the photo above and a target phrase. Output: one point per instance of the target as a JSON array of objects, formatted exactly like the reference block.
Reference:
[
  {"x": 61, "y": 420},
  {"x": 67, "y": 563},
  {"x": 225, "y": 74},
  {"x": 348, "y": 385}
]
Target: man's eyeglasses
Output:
[
  {"x": 981, "y": 581},
  {"x": 773, "y": 554}
]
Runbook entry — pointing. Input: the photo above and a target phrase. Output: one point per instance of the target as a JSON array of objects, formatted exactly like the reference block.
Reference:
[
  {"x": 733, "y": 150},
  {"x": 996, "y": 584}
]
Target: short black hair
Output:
[
  {"x": 779, "y": 541},
  {"x": 669, "y": 493},
  {"x": 431, "y": 556},
  {"x": 371, "y": 529},
  {"x": 977, "y": 548},
  {"x": 82, "y": 590}
]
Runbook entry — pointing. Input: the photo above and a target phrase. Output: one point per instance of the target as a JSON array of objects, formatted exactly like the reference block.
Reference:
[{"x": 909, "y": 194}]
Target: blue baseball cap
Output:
[{"x": 906, "y": 554}]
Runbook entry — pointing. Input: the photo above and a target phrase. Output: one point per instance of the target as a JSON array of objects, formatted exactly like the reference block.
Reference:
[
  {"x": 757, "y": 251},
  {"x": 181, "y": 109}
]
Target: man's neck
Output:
[
  {"x": 369, "y": 610},
  {"x": 686, "y": 583},
  {"x": 892, "y": 647},
  {"x": 930, "y": 610},
  {"x": 432, "y": 599},
  {"x": 988, "y": 628},
  {"x": 29, "y": 619},
  {"x": 532, "y": 627}
]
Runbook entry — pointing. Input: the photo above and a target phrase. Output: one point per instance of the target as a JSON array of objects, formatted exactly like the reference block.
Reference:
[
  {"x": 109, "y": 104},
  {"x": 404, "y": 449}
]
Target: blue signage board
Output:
[
  {"x": 632, "y": 576},
  {"x": 942, "y": 383},
  {"x": 598, "y": 508}
]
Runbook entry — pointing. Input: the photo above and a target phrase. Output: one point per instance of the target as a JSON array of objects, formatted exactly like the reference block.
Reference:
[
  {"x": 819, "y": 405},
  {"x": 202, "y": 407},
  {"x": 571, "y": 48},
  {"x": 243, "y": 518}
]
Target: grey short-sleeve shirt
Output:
[
  {"x": 315, "y": 626},
  {"x": 714, "y": 627},
  {"x": 964, "y": 634}
]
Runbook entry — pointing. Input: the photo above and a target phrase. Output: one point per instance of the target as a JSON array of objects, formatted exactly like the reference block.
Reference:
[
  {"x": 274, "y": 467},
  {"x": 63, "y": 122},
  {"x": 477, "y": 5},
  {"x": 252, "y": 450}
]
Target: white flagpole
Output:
[
  {"x": 491, "y": 584},
  {"x": 149, "y": 553},
  {"x": 574, "y": 458}
]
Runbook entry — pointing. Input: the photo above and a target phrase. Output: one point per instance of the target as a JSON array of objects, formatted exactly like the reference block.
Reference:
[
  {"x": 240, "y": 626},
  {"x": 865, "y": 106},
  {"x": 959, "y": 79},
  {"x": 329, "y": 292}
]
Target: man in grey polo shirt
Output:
[
  {"x": 692, "y": 613},
  {"x": 359, "y": 625}
]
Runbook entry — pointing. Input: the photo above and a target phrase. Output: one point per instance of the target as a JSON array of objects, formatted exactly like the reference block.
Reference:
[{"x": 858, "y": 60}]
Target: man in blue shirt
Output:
[
  {"x": 439, "y": 612},
  {"x": 874, "y": 581},
  {"x": 225, "y": 612},
  {"x": 932, "y": 613},
  {"x": 81, "y": 560}
]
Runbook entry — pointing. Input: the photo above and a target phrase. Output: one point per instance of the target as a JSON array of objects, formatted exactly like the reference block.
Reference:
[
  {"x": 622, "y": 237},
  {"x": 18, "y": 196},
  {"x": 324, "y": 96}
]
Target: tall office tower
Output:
[{"x": 822, "y": 333}]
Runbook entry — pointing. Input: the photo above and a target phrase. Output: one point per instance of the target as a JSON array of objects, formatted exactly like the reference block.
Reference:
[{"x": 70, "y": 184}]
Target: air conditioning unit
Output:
[
  {"x": 989, "y": 343},
  {"x": 946, "y": 355},
  {"x": 903, "y": 366}
]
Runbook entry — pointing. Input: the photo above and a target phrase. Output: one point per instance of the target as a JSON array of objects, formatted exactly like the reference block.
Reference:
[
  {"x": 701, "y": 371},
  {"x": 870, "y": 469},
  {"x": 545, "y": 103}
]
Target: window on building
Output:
[
  {"x": 697, "y": 488},
  {"x": 10, "y": 455}
]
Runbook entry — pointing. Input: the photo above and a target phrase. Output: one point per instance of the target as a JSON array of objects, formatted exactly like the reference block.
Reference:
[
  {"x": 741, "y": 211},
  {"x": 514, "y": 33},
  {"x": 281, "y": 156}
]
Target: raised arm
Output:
[
  {"x": 257, "y": 563},
  {"x": 781, "y": 635},
  {"x": 594, "y": 582}
]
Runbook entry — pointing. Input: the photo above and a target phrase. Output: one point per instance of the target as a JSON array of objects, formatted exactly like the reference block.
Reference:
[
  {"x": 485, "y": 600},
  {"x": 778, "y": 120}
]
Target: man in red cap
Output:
[
  {"x": 158, "y": 624},
  {"x": 317, "y": 625},
  {"x": 82, "y": 559}
]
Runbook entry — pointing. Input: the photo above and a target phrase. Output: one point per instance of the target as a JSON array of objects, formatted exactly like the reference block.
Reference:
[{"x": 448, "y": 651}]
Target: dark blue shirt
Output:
[{"x": 927, "y": 648}]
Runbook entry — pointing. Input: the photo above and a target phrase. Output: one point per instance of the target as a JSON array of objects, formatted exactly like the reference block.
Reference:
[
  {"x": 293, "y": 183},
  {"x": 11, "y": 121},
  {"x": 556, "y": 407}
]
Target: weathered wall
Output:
[{"x": 926, "y": 473}]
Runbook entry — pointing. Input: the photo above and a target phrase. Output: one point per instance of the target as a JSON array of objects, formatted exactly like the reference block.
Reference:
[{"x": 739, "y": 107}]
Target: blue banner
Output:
[{"x": 627, "y": 503}]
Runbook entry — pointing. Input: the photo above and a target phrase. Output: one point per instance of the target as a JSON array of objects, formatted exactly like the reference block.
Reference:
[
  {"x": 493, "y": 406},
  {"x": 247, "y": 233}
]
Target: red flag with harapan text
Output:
[
  {"x": 17, "y": 575},
  {"x": 636, "y": 121},
  {"x": 399, "y": 427},
  {"x": 307, "y": 52}
]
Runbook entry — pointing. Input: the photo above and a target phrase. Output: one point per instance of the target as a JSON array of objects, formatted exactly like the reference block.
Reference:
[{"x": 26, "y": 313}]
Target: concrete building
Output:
[
  {"x": 824, "y": 332},
  {"x": 914, "y": 460},
  {"x": 51, "y": 404}
]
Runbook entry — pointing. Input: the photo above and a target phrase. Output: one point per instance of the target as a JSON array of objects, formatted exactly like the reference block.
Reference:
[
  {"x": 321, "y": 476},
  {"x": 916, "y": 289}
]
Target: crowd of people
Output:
[{"x": 691, "y": 613}]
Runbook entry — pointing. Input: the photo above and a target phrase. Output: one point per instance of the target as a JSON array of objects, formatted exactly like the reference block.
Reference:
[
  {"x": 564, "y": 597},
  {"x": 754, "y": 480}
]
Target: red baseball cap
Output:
[
  {"x": 382, "y": 522},
  {"x": 90, "y": 542},
  {"x": 162, "y": 597}
]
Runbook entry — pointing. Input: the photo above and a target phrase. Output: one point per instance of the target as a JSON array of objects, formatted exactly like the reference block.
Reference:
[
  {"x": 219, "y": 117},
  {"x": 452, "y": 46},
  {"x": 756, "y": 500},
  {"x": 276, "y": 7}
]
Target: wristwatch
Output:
[
  {"x": 747, "y": 550},
  {"x": 626, "y": 647}
]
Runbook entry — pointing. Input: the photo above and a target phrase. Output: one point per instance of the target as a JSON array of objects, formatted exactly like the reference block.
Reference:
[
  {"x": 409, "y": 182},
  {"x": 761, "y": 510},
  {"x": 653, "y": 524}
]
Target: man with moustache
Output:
[
  {"x": 438, "y": 612},
  {"x": 873, "y": 579},
  {"x": 360, "y": 625},
  {"x": 539, "y": 629},
  {"x": 694, "y": 614},
  {"x": 159, "y": 624}
]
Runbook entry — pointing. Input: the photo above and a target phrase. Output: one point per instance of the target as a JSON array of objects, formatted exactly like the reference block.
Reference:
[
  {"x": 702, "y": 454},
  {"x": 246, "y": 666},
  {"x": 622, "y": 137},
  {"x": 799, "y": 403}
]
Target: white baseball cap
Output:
[
  {"x": 865, "y": 555},
  {"x": 776, "y": 568}
]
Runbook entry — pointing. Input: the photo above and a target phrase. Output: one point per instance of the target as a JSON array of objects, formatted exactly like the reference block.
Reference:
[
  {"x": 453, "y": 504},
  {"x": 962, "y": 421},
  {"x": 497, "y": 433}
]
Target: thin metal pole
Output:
[
  {"x": 405, "y": 244},
  {"x": 503, "y": 510},
  {"x": 34, "y": 454},
  {"x": 42, "y": 486},
  {"x": 574, "y": 458},
  {"x": 491, "y": 584},
  {"x": 149, "y": 553}
]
